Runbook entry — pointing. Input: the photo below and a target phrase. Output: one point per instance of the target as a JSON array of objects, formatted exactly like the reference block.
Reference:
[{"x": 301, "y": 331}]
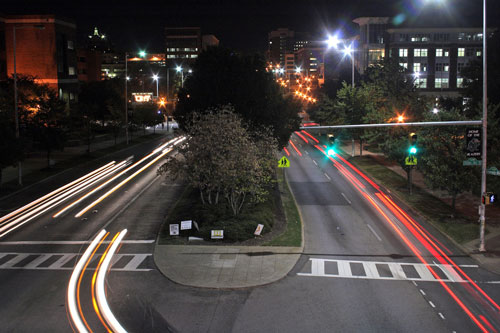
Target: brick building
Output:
[{"x": 45, "y": 47}]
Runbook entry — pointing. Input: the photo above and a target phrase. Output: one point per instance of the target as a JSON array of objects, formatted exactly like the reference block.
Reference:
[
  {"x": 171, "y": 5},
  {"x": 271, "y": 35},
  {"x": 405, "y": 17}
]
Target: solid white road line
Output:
[{"x": 373, "y": 231}]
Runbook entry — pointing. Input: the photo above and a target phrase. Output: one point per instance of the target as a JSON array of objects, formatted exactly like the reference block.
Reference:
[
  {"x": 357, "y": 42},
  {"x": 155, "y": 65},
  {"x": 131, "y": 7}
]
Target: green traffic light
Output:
[
  {"x": 331, "y": 152},
  {"x": 413, "y": 150}
]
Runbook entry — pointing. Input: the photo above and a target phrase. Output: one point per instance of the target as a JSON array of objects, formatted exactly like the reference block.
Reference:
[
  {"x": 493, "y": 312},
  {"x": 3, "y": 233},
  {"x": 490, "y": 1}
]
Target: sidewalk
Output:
[
  {"x": 38, "y": 160},
  {"x": 225, "y": 266},
  {"x": 466, "y": 205}
]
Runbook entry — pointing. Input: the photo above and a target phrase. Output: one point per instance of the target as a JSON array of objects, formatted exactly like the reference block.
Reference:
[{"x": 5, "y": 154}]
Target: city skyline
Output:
[{"x": 251, "y": 21}]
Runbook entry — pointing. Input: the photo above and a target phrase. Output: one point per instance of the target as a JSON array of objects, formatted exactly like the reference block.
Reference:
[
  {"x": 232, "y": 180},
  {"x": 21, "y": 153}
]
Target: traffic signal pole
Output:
[{"x": 482, "y": 207}]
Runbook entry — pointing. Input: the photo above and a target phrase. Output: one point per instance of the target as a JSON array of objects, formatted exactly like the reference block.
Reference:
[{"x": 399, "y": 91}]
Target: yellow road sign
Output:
[
  {"x": 283, "y": 163},
  {"x": 411, "y": 160}
]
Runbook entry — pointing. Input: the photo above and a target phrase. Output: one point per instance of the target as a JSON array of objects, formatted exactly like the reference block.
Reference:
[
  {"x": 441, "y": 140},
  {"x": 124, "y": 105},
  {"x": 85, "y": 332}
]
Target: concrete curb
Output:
[{"x": 225, "y": 267}]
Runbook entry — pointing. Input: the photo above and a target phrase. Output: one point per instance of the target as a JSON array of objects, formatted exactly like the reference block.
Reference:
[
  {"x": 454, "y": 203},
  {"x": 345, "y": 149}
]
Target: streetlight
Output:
[
  {"x": 156, "y": 78},
  {"x": 127, "y": 78},
  {"x": 435, "y": 111},
  {"x": 333, "y": 42},
  {"x": 16, "y": 112},
  {"x": 348, "y": 51},
  {"x": 142, "y": 53},
  {"x": 179, "y": 70}
]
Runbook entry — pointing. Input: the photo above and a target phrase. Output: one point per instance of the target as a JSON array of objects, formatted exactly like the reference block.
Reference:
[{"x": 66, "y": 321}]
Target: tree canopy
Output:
[
  {"x": 222, "y": 77},
  {"x": 224, "y": 159}
]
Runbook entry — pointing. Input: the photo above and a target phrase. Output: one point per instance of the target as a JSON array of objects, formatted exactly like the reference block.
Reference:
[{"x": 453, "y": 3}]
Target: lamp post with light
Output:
[
  {"x": 156, "y": 78},
  {"x": 179, "y": 70}
]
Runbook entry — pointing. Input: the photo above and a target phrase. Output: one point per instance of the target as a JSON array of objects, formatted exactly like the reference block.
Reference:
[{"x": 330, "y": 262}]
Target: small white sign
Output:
[
  {"x": 174, "y": 230},
  {"x": 217, "y": 234},
  {"x": 259, "y": 229},
  {"x": 186, "y": 225}
]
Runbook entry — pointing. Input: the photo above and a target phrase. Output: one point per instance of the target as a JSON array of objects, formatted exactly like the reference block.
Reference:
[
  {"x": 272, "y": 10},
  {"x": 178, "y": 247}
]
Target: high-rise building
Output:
[
  {"x": 372, "y": 33},
  {"x": 182, "y": 45},
  {"x": 45, "y": 47},
  {"x": 434, "y": 55},
  {"x": 281, "y": 42}
]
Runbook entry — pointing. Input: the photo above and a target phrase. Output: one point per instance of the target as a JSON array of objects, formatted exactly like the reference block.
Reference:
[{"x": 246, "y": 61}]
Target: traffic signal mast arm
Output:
[{"x": 424, "y": 123}]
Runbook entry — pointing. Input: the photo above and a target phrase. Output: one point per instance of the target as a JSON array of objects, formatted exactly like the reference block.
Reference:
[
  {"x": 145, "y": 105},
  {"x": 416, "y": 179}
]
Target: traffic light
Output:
[
  {"x": 331, "y": 144},
  {"x": 413, "y": 143},
  {"x": 489, "y": 198}
]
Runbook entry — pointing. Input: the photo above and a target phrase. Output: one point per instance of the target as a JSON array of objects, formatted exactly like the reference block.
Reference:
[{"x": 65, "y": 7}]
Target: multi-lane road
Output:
[{"x": 368, "y": 265}]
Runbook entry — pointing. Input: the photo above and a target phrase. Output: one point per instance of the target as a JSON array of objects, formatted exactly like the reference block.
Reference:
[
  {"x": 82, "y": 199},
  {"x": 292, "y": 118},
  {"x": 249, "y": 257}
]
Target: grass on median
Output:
[
  {"x": 438, "y": 212},
  {"x": 240, "y": 228},
  {"x": 292, "y": 236}
]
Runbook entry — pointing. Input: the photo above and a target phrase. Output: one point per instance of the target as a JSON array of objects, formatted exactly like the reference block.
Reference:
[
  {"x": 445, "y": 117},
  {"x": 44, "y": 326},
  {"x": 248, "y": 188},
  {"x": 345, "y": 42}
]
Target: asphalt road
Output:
[{"x": 353, "y": 275}]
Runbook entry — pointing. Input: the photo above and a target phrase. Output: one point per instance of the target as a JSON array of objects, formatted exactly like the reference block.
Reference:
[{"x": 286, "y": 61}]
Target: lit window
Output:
[
  {"x": 404, "y": 64},
  {"x": 461, "y": 52},
  {"x": 70, "y": 45},
  {"x": 403, "y": 53},
  {"x": 460, "y": 82},
  {"x": 446, "y": 52},
  {"x": 194, "y": 56},
  {"x": 71, "y": 70},
  {"x": 420, "y": 52},
  {"x": 416, "y": 67},
  {"x": 442, "y": 67},
  {"x": 439, "y": 52},
  {"x": 421, "y": 82},
  {"x": 478, "y": 53},
  {"x": 441, "y": 83}
]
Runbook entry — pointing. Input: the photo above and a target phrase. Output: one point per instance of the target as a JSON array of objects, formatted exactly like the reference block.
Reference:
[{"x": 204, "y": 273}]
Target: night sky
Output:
[{"x": 242, "y": 25}]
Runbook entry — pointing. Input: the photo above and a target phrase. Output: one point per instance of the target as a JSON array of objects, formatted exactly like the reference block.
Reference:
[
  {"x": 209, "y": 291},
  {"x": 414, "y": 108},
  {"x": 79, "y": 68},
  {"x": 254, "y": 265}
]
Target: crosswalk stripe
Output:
[
  {"x": 371, "y": 271},
  {"x": 14, "y": 261},
  {"x": 135, "y": 262},
  {"x": 37, "y": 261},
  {"x": 63, "y": 260}
]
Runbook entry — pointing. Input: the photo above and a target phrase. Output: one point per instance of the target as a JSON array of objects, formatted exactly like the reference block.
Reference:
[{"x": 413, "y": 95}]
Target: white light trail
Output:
[
  {"x": 31, "y": 204},
  {"x": 100, "y": 291},
  {"x": 74, "y": 203},
  {"x": 46, "y": 206},
  {"x": 104, "y": 196},
  {"x": 71, "y": 293}
]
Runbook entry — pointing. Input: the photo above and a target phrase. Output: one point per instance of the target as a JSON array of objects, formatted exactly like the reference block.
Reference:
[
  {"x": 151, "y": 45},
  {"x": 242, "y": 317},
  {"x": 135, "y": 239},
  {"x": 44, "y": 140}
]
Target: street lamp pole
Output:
[
  {"x": 126, "y": 97},
  {"x": 352, "y": 61},
  {"x": 16, "y": 113},
  {"x": 482, "y": 209}
]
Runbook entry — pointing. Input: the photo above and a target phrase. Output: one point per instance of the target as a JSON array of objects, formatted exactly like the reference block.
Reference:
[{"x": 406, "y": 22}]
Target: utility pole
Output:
[
  {"x": 16, "y": 113},
  {"x": 126, "y": 97},
  {"x": 482, "y": 207}
]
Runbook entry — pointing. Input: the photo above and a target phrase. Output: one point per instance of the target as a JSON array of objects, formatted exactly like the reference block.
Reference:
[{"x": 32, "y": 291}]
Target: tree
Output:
[
  {"x": 223, "y": 159},
  {"x": 98, "y": 107},
  {"x": 146, "y": 114},
  {"x": 393, "y": 93},
  {"x": 443, "y": 154},
  {"x": 10, "y": 147},
  {"x": 222, "y": 77},
  {"x": 48, "y": 120}
]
